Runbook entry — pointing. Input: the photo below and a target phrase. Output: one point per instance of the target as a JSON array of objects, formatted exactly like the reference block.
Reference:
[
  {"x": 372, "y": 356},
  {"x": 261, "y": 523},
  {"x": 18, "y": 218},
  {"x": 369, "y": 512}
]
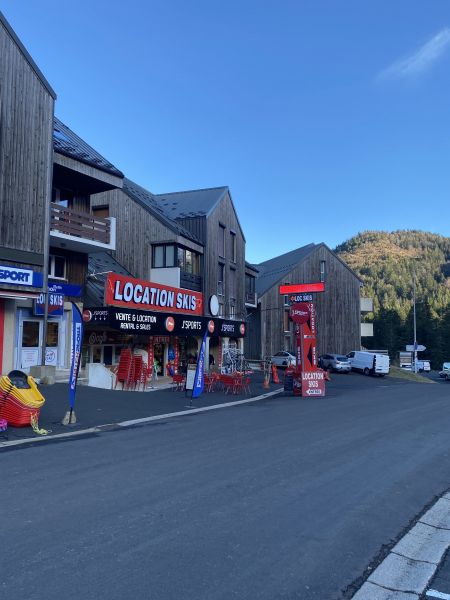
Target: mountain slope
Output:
[{"x": 386, "y": 263}]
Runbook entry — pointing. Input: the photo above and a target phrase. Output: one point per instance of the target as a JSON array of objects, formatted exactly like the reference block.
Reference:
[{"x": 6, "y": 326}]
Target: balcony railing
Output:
[
  {"x": 191, "y": 281},
  {"x": 80, "y": 225}
]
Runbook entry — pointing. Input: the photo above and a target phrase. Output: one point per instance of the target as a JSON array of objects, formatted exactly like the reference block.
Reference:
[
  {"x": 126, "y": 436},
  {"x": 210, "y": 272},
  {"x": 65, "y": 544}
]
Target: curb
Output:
[
  {"x": 132, "y": 423},
  {"x": 411, "y": 564}
]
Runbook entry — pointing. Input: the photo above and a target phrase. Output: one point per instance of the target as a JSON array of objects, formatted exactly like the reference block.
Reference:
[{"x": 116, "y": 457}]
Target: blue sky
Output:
[{"x": 324, "y": 118}]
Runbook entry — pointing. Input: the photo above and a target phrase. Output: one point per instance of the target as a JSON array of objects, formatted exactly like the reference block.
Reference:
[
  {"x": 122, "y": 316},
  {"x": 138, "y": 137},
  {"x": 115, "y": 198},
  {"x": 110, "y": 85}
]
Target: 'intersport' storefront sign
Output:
[
  {"x": 146, "y": 295},
  {"x": 139, "y": 322},
  {"x": 12, "y": 276}
]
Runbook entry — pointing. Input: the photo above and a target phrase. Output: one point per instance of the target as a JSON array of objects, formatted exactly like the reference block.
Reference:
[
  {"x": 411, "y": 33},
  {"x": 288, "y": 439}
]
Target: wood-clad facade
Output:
[
  {"x": 224, "y": 243},
  {"x": 26, "y": 133},
  {"x": 338, "y": 308},
  {"x": 137, "y": 230},
  {"x": 26, "y": 158}
]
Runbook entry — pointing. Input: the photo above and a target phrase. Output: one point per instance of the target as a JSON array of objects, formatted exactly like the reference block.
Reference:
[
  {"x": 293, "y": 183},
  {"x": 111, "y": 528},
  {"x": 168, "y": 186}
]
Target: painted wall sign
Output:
[
  {"x": 55, "y": 305},
  {"x": 136, "y": 293},
  {"x": 15, "y": 276}
]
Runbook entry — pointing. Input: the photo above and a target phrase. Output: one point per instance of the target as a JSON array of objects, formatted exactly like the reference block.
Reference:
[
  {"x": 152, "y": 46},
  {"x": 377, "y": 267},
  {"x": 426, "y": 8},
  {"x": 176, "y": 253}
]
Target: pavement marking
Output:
[
  {"x": 411, "y": 564},
  {"x": 436, "y": 594},
  {"x": 130, "y": 423}
]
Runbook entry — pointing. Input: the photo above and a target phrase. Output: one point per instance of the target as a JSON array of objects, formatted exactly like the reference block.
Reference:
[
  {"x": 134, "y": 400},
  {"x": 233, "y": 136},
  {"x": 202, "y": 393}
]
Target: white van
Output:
[{"x": 369, "y": 363}]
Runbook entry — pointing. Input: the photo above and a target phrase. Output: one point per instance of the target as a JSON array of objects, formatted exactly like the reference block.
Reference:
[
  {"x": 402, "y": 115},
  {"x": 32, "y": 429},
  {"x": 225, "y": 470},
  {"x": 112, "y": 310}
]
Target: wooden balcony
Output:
[{"x": 80, "y": 231}]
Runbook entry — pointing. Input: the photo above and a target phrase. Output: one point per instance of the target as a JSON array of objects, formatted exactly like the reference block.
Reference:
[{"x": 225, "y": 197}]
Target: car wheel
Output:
[{"x": 366, "y": 371}]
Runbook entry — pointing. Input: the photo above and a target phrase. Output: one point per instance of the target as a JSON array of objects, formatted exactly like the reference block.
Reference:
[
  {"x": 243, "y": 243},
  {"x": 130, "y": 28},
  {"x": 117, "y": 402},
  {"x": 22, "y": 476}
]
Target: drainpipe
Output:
[{"x": 47, "y": 208}]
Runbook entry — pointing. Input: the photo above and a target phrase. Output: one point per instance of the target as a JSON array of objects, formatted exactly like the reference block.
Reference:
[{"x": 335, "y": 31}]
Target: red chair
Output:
[
  {"x": 178, "y": 381},
  {"x": 146, "y": 375},
  {"x": 124, "y": 368},
  {"x": 137, "y": 363}
]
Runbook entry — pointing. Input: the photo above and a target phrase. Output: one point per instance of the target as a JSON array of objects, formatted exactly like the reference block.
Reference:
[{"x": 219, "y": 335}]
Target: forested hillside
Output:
[{"x": 386, "y": 263}]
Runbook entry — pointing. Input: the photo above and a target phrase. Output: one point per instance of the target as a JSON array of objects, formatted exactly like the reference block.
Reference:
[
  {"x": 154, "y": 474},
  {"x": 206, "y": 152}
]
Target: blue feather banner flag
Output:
[{"x": 200, "y": 371}]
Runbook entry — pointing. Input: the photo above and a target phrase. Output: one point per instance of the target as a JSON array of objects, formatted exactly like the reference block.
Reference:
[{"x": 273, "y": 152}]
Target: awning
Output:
[{"x": 18, "y": 295}]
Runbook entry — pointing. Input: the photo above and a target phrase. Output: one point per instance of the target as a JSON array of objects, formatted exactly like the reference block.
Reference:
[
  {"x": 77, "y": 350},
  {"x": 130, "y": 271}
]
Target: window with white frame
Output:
[{"x": 57, "y": 266}]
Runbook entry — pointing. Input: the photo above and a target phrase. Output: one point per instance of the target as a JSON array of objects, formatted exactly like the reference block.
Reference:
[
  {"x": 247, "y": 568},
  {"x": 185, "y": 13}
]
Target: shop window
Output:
[
  {"x": 108, "y": 355},
  {"x": 30, "y": 334},
  {"x": 286, "y": 300},
  {"x": 52, "y": 334},
  {"x": 220, "y": 280},
  {"x": 232, "y": 246},
  {"x": 57, "y": 267},
  {"x": 221, "y": 241},
  {"x": 96, "y": 354},
  {"x": 286, "y": 321}
]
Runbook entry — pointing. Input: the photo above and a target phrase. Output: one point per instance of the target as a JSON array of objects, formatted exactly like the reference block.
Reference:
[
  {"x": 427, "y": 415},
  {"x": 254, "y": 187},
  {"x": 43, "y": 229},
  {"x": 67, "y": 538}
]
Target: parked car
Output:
[
  {"x": 422, "y": 365},
  {"x": 369, "y": 363},
  {"x": 283, "y": 359},
  {"x": 445, "y": 373},
  {"x": 335, "y": 362}
]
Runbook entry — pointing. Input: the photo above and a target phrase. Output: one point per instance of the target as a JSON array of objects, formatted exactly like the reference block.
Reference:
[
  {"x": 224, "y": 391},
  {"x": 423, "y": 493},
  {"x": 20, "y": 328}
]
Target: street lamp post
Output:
[
  {"x": 414, "y": 313},
  {"x": 414, "y": 318}
]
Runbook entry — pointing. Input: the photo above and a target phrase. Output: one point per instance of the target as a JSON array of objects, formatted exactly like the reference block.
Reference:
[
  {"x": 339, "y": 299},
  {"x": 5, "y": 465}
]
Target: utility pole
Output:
[{"x": 414, "y": 317}]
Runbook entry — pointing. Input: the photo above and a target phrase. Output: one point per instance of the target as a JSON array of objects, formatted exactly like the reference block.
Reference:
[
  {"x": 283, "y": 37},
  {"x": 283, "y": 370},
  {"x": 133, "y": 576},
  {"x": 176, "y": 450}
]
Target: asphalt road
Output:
[{"x": 282, "y": 499}]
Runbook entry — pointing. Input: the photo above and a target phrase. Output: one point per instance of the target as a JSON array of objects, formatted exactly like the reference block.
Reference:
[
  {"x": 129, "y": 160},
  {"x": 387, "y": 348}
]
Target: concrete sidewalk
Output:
[{"x": 95, "y": 406}]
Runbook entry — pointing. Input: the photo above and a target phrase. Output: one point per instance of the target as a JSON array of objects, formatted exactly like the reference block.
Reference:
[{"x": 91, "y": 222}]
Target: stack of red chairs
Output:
[
  {"x": 124, "y": 369},
  {"x": 137, "y": 363}
]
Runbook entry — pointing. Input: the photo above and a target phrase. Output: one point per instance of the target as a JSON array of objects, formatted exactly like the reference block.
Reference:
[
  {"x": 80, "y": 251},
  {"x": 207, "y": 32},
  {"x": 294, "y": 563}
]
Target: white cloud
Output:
[{"x": 419, "y": 62}]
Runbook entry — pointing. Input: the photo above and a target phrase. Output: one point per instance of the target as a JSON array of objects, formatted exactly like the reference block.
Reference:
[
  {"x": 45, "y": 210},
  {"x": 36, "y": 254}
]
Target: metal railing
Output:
[{"x": 79, "y": 224}]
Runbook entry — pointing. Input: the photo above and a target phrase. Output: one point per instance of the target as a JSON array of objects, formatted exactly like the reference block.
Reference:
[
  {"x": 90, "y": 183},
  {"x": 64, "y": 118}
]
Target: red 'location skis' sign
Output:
[{"x": 300, "y": 313}]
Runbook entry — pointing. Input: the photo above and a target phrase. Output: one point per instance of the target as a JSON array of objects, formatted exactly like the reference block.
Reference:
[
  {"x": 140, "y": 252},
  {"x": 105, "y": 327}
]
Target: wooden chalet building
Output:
[
  {"x": 26, "y": 131},
  {"x": 188, "y": 241},
  {"x": 338, "y": 308}
]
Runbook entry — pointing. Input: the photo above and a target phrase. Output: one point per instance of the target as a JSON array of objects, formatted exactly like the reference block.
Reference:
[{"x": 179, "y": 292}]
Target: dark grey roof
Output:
[
  {"x": 27, "y": 56},
  {"x": 274, "y": 270},
  {"x": 251, "y": 267},
  {"x": 99, "y": 264},
  {"x": 147, "y": 200},
  {"x": 66, "y": 142},
  {"x": 192, "y": 203}
]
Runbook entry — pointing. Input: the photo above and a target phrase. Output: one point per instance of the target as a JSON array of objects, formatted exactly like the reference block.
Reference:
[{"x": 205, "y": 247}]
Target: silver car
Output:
[
  {"x": 283, "y": 359},
  {"x": 335, "y": 362}
]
